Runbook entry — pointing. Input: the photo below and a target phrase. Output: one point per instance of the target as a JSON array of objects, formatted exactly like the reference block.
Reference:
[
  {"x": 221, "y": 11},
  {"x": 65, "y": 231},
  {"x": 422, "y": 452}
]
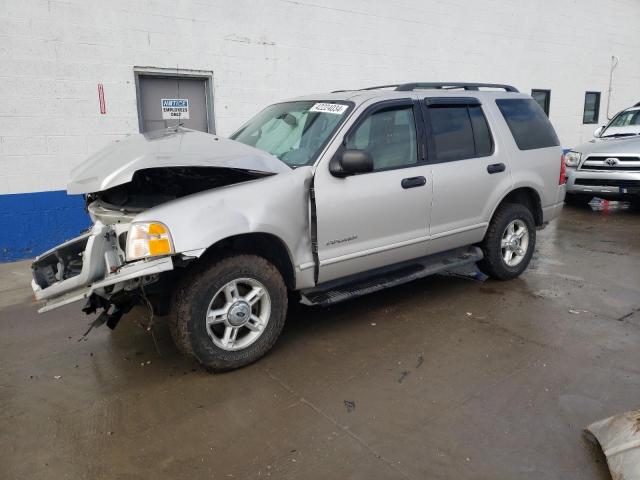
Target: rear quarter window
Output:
[{"x": 528, "y": 123}]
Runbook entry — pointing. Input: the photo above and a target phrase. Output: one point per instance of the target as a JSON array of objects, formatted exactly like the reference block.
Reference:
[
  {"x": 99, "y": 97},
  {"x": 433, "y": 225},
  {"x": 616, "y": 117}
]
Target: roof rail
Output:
[
  {"x": 408, "y": 87},
  {"x": 368, "y": 88}
]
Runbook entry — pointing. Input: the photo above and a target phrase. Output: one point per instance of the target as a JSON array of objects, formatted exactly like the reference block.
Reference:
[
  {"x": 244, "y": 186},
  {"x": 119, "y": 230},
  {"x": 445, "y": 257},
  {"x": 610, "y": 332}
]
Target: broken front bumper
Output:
[{"x": 88, "y": 264}]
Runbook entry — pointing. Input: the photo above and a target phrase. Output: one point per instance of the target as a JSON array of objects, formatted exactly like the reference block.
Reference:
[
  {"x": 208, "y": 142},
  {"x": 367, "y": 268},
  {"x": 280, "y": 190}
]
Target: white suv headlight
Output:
[
  {"x": 572, "y": 159},
  {"x": 148, "y": 239}
]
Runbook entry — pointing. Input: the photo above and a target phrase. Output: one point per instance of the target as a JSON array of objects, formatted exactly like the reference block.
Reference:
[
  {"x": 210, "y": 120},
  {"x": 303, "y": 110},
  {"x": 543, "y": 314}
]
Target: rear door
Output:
[{"x": 470, "y": 170}]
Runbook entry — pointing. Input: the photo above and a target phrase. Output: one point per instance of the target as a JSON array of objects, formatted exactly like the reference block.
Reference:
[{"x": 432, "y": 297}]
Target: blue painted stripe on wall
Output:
[{"x": 31, "y": 223}]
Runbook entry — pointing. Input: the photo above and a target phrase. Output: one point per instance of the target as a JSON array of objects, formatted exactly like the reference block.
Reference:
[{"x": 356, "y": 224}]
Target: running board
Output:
[{"x": 357, "y": 285}]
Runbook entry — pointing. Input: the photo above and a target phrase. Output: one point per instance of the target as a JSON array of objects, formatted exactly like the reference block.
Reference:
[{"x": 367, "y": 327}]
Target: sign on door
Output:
[{"x": 175, "y": 108}]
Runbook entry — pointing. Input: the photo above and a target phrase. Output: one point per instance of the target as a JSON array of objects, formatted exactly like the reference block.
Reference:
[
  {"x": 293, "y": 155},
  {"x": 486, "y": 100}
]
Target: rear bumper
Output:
[
  {"x": 88, "y": 264},
  {"x": 550, "y": 212}
]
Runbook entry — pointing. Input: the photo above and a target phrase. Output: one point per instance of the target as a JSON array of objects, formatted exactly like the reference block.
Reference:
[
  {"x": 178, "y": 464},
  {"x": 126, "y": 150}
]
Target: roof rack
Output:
[{"x": 408, "y": 87}]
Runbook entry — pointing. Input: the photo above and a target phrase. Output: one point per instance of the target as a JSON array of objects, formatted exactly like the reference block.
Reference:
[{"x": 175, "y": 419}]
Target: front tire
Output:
[
  {"x": 509, "y": 242},
  {"x": 230, "y": 313}
]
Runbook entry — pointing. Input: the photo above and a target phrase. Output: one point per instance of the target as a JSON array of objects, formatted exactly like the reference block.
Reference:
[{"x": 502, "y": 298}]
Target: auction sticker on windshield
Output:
[{"x": 335, "y": 108}]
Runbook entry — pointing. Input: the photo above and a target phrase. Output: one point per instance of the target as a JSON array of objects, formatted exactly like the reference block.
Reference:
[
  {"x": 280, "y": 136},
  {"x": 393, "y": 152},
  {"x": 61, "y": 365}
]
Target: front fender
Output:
[{"x": 276, "y": 205}]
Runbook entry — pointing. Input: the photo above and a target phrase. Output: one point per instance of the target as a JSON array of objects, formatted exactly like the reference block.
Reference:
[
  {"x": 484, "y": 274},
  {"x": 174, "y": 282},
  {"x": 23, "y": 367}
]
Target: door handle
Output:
[
  {"x": 413, "y": 182},
  {"x": 496, "y": 168}
]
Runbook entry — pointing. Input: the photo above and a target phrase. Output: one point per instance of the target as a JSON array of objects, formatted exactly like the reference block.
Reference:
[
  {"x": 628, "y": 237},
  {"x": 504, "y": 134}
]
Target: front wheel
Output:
[
  {"x": 229, "y": 314},
  {"x": 509, "y": 243}
]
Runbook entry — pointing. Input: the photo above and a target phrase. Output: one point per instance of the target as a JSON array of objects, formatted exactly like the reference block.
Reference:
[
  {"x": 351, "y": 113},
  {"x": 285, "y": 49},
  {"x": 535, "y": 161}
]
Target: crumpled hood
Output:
[
  {"x": 116, "y": 163},
  {"x": 620, "y": 145}
]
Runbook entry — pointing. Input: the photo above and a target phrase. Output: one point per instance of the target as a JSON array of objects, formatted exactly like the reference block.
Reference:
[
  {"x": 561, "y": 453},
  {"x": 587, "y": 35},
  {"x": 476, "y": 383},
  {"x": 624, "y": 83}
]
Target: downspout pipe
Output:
[{"x": 614, "y": 63}]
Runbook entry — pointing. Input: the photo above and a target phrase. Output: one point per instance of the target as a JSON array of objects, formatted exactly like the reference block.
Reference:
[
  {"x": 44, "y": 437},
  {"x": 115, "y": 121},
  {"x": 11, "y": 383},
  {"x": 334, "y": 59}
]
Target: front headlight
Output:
[
  {"x": 572, "y": 159},
  {"x": 148, "y": 239}
]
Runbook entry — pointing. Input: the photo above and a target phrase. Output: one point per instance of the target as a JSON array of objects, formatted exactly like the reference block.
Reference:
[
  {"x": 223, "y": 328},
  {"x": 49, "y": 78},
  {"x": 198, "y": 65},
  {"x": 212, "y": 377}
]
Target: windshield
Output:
[
  {"x": 295, "y": 132},
  {"x": 629, "y": 120}
]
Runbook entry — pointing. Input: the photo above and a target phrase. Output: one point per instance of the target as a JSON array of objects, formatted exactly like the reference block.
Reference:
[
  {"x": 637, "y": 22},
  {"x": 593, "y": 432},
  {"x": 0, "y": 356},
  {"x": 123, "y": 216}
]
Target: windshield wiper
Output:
[{"x": 620, "y": 135}]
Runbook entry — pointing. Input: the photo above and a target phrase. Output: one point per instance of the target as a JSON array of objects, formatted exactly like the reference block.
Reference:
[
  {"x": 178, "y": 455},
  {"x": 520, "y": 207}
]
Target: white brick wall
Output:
[{"x": 54, "y": 53}]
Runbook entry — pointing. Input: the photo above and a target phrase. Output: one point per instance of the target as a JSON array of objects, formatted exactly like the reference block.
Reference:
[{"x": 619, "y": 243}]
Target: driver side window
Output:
[{"x": 389, "y": 135}]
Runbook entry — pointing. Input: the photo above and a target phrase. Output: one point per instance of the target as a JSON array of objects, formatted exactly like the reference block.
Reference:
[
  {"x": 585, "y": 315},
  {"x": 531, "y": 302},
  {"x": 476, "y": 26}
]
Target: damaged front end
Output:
[
  {"x": 93, "y": 267},
  {"x": 110, "y": 265}
]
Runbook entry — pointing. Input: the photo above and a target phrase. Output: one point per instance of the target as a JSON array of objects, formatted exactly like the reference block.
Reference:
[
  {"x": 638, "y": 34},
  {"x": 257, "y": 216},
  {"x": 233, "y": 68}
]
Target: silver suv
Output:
[
  {"x": 608, "y": 168},
  {"x": 321, "y": 198}
]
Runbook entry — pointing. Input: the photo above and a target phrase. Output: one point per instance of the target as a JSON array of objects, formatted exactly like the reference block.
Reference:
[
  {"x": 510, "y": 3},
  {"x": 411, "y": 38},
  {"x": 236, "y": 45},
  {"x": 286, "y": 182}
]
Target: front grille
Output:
[
  {"x": 612, "y": 163},
  {"x": 606, "y": 182},
  {"x": 616, "y": 168},
  {"x": 620, "y": 159}
]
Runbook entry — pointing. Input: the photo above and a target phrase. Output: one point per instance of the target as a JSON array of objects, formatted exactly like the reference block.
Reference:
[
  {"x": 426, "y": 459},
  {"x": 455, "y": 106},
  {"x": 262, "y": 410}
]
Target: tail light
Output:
[{"x": 563, "y": 171}]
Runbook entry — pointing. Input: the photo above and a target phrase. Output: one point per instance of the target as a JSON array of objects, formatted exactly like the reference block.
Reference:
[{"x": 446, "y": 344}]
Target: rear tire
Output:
[
  {"x": 509, "y": 242},
  {"x": 230, "y": 313}
]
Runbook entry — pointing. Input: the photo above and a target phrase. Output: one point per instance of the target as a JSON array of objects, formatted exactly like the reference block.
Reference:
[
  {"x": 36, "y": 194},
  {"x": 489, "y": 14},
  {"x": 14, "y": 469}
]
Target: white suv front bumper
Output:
[{"x": 88, "y": 264}]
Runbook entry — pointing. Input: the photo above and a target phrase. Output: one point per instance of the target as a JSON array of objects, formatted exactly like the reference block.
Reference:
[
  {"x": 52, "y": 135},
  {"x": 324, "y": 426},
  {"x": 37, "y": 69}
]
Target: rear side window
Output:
[
  {"x": 459, "y": 132},
  {"x": 481, "y": 134},
  {"x": 528, "y": 123}
]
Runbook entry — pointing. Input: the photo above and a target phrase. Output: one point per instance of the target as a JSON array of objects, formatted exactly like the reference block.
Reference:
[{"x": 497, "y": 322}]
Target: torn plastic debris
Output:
[{"x": 619, "y": 438}]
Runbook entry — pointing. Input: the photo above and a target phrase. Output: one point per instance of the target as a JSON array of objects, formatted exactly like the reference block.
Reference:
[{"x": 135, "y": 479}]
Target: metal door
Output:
[{"x": 173, "y": 91}]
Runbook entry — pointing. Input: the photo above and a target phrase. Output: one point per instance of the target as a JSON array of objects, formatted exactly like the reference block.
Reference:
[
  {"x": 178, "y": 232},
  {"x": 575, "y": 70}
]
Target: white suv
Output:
[{"x": 329, "y": 196}]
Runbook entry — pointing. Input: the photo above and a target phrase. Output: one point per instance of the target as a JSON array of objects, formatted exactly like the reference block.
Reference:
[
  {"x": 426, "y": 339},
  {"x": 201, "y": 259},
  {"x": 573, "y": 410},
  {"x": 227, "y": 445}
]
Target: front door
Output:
[{"x": 379, "y": 218}]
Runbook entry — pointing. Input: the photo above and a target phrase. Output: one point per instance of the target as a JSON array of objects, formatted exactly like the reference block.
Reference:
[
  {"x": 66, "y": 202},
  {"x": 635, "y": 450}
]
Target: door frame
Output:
[
  {"x": 177, "y": 73},
  {"x": 339, "y": 143}
]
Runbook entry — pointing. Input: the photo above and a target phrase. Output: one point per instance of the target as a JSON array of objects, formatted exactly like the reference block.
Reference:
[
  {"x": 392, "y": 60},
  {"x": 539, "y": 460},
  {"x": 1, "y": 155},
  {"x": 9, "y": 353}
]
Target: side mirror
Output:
[
  {"x": 598, "y": 131},
  {"x": 351, "y": 162}
]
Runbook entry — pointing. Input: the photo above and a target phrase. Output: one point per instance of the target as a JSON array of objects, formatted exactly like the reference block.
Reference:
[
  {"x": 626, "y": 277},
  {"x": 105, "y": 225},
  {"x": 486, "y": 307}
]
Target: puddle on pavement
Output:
[{"x": 608, "y": 206}]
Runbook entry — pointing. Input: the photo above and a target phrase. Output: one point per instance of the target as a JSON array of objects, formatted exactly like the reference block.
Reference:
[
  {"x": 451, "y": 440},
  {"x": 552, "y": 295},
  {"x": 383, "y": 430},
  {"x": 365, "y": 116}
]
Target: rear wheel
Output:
[
  {"x": 509, "y": 242},
  {"x": 230, "y": 314}
]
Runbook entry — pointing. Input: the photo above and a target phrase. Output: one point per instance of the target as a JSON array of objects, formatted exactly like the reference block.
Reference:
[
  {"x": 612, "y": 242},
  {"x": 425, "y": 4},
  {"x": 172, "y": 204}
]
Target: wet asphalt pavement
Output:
[{"x": 441, "y": 378}]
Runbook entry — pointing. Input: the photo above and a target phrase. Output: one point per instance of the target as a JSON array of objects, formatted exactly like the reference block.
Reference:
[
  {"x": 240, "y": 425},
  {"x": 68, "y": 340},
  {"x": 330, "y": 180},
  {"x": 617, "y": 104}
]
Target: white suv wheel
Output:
[
  {"x": 238, "y": 314},
  {"x": 515, "y": 242}
]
